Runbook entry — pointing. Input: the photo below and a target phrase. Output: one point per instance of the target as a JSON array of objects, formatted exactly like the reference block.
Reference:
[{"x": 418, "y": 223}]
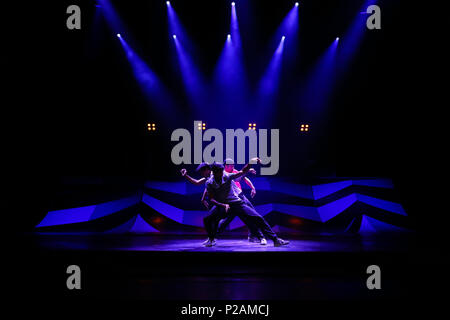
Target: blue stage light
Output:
[
  {"x": 233, "y": 4},
  {"x": 296, "y": 4},
  {"x": 168, "y": 3},
  {"x": 337, "y": 39},
  {"x": 282, "y": 38},
  {"x": 192, "y": 78},
  {"x": 321, "y": 82},
  {"x": 230, "y": 78},
  {"x": 148, "y": 81},
  {"x": 269, "y": 84}
]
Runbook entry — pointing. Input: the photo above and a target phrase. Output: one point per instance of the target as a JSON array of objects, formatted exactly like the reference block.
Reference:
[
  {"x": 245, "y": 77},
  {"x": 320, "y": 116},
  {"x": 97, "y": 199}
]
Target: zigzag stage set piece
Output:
[{"x": 359, "y": 205}]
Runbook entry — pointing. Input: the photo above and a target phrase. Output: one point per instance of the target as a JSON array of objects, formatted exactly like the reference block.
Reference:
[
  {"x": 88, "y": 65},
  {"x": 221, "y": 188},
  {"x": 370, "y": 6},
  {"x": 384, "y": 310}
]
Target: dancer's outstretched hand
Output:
[
  {"x": 252, "y": 171},
  {"x": 253, "y": 193},
  {"x": 183, "y": 172},
  {"x": 205, "y": 203},
  {"x": 257, "y": 160},
  {"x": 227, "y": 207}
]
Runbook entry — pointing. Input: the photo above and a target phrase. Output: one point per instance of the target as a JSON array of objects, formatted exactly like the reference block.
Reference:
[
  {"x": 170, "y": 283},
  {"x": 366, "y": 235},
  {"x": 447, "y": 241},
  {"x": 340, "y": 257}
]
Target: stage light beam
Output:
[
  {"x": 353, "y": 38},
  {"x": 194, "y": 84},
  {"x": 269, "y": 84},
  {"x": 230, "y": 78},
  {"x": 149, "y": 82},
  {"x": 288, "y": 28},
  {"x": 193, "y": 81},
  {"x": 321, "y": 81}
]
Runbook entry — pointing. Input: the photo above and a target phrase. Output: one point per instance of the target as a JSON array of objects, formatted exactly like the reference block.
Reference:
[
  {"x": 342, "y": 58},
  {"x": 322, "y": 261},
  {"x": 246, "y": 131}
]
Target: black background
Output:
[{"x": 72, "y": 111}]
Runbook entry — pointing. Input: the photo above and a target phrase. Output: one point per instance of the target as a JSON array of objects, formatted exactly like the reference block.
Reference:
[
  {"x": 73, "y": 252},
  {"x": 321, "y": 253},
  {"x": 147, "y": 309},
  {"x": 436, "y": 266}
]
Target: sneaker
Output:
[
  {"x": 263, "y": 242},
  {"x": 206, "y": 241},
  {"x": 253, "y": 239},
  {"x": 278, "y": 242},
  {"x": 210, "y": 243}
]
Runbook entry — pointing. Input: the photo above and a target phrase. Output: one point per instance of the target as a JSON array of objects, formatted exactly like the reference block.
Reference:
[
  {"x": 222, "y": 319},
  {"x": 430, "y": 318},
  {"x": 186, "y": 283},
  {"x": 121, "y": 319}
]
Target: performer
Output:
[
  {"x": 257, "y": 237},
  {"x": 204, "y": 170},
  {"x": 223, "y": 193}
]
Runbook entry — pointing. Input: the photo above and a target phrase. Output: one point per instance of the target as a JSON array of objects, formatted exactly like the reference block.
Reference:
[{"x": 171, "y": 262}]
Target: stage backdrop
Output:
[{"x": 332, "y": 205}]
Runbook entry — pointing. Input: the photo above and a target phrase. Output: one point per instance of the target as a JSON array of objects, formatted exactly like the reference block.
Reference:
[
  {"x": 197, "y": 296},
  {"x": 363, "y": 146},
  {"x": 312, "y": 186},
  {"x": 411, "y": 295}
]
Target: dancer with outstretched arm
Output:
[
  {"x": 223, "y": 194},
  {"x": 204, "y": 170},
  {"x": 256, "y": 236}
]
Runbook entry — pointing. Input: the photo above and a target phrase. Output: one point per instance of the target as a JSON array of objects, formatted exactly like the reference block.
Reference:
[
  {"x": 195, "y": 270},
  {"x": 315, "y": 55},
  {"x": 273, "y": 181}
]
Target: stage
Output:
[
  {"x": 178, "y": 267},
  {"x": 354, "y": 243}
]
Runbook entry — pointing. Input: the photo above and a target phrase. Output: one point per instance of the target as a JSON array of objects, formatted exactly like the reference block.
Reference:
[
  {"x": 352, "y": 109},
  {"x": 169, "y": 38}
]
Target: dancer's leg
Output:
[
  {"x": 253, "y": 232},
  {"x": 242, "y": 210},
  {"x": 211, "y": 221},
  {"x": 225, "y": 222}
]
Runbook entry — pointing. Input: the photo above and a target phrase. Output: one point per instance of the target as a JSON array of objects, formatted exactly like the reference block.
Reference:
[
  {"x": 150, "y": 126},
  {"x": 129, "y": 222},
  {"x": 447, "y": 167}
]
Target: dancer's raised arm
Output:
[
  {"x": 245, "y": 169},
  {"x": 195, "y": 182}
]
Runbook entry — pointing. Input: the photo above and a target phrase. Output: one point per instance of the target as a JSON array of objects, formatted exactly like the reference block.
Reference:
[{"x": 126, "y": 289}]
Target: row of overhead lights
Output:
[
  {"x": 233, "y": 3},
  {"x": 202, "y": 126}
]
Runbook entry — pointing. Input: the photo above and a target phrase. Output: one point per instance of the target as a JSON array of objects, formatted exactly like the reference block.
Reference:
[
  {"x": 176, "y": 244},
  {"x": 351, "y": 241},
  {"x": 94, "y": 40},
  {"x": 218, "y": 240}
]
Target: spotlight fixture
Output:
[
  {"x": 168, "y": 3},
  {"x": 304, "y": 127},
  {"x": 233, "y": 4},
  {"x": 337, "y": 39},
  {"x": 151, "y": 126},
  {"x": 296, "y": 4},
  {"x": 252, "y": 126},
  {"x": 201, "y": 126},
  {"x": 174, "y": 36},
  {"x": 283, "y": 37},
  {"x": 118, "y": 35},
  {"x": 229, "y": 36}
]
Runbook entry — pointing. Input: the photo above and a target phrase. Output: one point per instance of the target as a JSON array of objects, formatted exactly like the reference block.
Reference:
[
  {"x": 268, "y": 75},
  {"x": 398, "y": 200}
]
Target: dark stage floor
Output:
[
  {"x": 190, "y": 243},
  {"x": 321, "y": 267}
]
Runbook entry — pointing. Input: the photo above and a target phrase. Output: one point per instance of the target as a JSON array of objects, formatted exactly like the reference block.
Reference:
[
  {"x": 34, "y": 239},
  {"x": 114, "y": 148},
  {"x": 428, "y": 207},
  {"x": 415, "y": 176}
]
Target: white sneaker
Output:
[
  {"x": 263, "y": 242},
  {"x": 206, "y": 241},
  {"x": 210, "y": 243}
]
